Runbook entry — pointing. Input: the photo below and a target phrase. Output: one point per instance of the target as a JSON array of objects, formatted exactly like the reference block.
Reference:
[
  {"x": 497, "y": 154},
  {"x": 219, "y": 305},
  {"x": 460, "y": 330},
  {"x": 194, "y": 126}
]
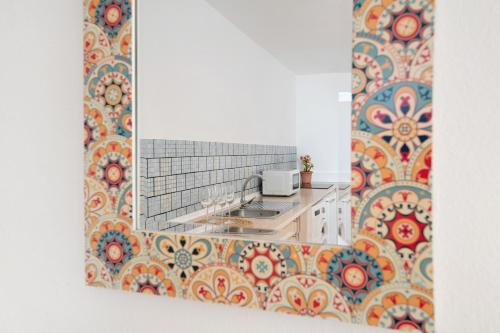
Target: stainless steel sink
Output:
[
  {"x": 247, "y": 231},
  {"x": 253, "y": 213}
]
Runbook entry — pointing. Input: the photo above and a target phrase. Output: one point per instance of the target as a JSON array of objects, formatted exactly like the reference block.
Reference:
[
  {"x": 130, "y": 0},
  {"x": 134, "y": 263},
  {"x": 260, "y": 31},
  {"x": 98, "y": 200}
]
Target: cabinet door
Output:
[
  {"x": 344, "y": 221},
  {"x": 319, "y": 226},
  {"x": 332, "y": 219}
]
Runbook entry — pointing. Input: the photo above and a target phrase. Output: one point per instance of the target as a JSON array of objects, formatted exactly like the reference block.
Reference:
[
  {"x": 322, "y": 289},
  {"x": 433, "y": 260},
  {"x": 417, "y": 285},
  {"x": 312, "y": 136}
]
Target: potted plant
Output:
[{"x": 306, "y": 173}]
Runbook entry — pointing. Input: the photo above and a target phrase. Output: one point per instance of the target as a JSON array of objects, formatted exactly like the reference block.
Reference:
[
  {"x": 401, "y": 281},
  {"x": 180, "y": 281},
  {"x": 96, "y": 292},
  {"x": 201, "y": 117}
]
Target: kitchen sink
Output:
[
  {"x": 247, "y": 231},
  {"x": 253, "y": 213}
]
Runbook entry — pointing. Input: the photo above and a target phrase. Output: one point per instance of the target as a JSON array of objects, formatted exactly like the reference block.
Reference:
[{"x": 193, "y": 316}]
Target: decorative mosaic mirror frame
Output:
[{"x": 384, "y": 280}]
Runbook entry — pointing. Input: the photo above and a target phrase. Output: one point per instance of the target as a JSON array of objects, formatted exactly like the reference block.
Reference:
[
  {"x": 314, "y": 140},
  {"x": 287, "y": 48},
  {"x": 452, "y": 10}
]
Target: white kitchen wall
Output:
[
  {"x": 200, "y": 78},
  {"x": 324, "y": 124},
  {"x": 41, "y": 198}
]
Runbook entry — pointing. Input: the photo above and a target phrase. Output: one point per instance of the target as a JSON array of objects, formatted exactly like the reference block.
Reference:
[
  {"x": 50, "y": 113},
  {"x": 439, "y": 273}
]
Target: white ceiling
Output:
[{"x": 307, "y": 36}]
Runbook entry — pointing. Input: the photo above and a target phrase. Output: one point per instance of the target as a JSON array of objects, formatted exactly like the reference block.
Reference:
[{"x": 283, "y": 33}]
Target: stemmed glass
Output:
[
  {"x": 229, "y": 196},
  {"x": 221, "y": 198},
  {"x": 206, "y": 199},
  {"x": 215, "y": 197}
]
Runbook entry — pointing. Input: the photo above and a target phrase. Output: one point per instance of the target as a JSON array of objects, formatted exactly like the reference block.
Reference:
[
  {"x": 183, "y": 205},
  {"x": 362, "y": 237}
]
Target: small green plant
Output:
[{"x": 307, "y": 165}]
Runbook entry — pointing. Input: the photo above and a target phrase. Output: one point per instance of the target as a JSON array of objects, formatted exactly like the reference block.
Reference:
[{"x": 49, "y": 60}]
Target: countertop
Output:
[
  {"x": 282, "y": 224},
  {"x": 305, "y": 198}
]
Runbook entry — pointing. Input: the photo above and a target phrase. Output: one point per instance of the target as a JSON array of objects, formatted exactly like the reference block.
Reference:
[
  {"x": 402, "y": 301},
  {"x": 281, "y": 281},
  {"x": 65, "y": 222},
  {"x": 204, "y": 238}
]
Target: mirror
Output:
[{"x": 235, "y": 100}]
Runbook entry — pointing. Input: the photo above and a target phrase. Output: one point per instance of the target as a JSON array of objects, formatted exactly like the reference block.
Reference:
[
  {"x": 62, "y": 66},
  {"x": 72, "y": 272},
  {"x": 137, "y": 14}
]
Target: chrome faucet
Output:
[{"x": 243, "y": 201}]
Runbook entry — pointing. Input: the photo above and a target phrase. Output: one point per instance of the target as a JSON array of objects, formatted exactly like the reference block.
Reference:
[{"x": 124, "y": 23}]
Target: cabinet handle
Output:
[{"x": 297, "y": 228}]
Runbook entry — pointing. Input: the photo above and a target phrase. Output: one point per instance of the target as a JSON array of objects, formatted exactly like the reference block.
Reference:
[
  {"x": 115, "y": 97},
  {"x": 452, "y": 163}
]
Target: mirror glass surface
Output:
[{"x": 230, "y": 95}]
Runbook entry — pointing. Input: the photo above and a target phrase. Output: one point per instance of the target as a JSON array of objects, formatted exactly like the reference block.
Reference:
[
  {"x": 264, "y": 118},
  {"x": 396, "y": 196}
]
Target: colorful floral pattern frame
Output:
[{"x": 384, "y": 280}]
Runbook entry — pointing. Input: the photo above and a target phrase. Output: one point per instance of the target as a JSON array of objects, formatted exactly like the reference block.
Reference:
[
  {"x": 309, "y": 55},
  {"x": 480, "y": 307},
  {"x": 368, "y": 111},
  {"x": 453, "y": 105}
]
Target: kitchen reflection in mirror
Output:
[{"x": 244, "y": 119}]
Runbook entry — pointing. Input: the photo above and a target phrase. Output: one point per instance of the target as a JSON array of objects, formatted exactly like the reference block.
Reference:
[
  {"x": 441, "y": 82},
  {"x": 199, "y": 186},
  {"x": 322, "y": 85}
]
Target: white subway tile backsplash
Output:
[
  {"x": 166, "y": 203},
  {"x": 186, "y": 198},
  {"x": 172, "y": 172},
  {"x": 151, "y": 224},
  {"x": 142, "y": 223},
  {"x": 220, "y": 176},
  {"x": 198, "y": 179},
  {"x": 213, "y": 177},
  {"x": 213, "y": 148},
  {"x": 215, "y": 163},
  {"x": 159, "y": 148},
  {"x": 171, "y": 182},
  {"x": 146, "y": 148},
  {"x": 186, "y": 164},
  {"x": 159, "y": 186},
  {"x": 194, "y": 196},
  {"x": 194, "y": 164},
  {"x": 165, "y": 167},
  {"x": 198, "y": 148},
  {"x": 210, "y": 163},
  {"x": 206, "y": 178},
  {"x": 176, "y": 200},
  {"x": 189, "y": 181},
  {"x": 150, "y": 189},
  {"x": 176, "y": 166},
  {"x": 181, "y": 182},
  {"x": 189, "y": 148},
  {"x": 206, "y": 148},
  {"x": 202, "y": 163},
  {"x": 154, "y": 206}
]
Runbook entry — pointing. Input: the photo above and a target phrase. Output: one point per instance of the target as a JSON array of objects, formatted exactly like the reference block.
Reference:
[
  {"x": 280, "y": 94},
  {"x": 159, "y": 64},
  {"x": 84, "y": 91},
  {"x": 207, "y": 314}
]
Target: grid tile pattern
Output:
[{"x": 172, "y": 172}]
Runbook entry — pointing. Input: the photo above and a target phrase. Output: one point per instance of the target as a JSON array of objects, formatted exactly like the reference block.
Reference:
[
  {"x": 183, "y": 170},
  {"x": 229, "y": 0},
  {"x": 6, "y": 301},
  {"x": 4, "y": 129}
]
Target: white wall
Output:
[
  {"x": 324, "y": 124},
  {"x": 466, "y": 158},
  {"x": 41, "y": 229},
  {"x": 200, "y": 78}
]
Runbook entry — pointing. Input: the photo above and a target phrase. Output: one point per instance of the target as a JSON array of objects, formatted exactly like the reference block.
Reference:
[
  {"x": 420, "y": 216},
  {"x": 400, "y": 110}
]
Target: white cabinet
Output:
[
  {"x": 318, "y": 231},
  {"x": 328, "y": 221},
  {"x": 344, "y": 221},
  {"x": 332, "y": 218},
  {"x": 324, "y": 221}
]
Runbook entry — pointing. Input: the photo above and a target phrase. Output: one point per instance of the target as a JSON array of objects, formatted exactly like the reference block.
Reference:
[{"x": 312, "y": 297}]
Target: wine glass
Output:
[
  {"x": 206, "y": 199},
  {"x": 221, "y": 199},
  {"x": 229, "y": 197},
  {"x": 215, "y": 197}
]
